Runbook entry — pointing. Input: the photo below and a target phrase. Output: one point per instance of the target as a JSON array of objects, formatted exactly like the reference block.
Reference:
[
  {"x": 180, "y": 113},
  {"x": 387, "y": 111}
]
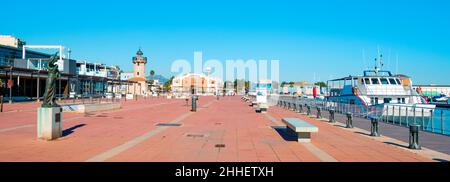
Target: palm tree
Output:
[
  {"x": 152, "y": 74},
  {"x": 167, "y": 85}
]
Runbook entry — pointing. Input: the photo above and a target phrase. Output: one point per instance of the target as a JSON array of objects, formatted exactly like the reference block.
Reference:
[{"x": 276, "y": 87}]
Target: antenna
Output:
[
  {"x": 396, "y": 66},
  {"x": 364, "y": 59},
  {"x": 381, "y": 61}
]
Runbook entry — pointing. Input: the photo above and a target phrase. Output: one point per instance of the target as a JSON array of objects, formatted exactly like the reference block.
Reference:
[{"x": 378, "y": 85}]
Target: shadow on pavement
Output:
[
  {"x": 285, "y": 133},
  {"x": 70, "y": 130}
]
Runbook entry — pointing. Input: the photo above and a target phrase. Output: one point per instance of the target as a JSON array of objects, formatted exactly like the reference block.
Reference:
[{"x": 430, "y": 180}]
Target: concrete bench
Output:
[
  {"x": 262, "y": 108},
  {"x": 254, "y": 104},
  {"x": 302, "y": 128}
]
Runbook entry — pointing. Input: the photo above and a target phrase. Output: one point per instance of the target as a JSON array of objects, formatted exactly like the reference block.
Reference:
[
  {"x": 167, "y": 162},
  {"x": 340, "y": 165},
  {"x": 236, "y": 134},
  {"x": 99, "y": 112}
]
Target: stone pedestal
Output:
[{"x": 49, "y": 125}]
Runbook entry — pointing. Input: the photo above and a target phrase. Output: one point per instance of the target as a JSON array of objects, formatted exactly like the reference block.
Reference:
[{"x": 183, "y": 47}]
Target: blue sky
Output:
[{"x": 323, "y": 38}]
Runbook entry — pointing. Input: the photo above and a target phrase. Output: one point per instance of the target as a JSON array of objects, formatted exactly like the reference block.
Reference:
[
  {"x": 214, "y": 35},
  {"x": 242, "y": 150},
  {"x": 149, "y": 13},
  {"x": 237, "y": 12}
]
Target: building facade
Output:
[
  {"x": 200, "y": 84},
  {"x": 24, "y": 79}
]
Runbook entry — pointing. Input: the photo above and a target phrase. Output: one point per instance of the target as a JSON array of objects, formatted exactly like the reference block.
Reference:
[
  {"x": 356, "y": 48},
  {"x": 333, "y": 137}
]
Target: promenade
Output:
[{"x": 225, "y": 130}]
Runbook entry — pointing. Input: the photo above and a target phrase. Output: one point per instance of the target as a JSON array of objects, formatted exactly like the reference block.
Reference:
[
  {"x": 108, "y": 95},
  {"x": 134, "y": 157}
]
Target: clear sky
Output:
[{"x": 324, "y": 38}]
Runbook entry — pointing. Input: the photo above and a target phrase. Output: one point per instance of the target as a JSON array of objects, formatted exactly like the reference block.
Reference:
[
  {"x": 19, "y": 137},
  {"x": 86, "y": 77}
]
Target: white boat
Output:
[{"x": 380, "y": 92}]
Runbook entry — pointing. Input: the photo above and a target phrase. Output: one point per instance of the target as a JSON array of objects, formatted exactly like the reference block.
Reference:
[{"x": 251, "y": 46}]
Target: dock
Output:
[{"x": 224, "y": 130}]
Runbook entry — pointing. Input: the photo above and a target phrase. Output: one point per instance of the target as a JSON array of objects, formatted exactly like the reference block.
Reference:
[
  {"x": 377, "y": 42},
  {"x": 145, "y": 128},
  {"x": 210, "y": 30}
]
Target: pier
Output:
[{"x": 225, "y": 130}]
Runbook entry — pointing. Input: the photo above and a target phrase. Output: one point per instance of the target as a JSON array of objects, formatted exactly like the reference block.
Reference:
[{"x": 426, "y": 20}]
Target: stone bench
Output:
[
  {"x": 302, "y": 128},
  {"x": 262, "y": 108},
  {"x": 254, "y": 104}
]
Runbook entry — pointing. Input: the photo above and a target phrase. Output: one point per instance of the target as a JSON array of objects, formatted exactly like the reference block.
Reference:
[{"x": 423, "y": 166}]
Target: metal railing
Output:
[{"x": 431, "y": 120}]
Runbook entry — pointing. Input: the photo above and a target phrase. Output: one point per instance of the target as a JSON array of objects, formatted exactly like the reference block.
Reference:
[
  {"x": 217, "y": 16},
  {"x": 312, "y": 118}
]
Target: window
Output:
[
  {"x": 367, "y": 81},
  {"x": 387, "y": 100},
  {"x": 384, "y": 81},
  {"x": 374, "y": 100},
  {"x": 393, "y": 82},
  {"x": 375, "y": 81}
]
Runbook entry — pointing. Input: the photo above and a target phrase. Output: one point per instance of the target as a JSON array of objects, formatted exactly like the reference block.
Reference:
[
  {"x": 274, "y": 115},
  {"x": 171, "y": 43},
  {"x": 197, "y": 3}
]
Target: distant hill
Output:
[{"x": 160, "y": 78}]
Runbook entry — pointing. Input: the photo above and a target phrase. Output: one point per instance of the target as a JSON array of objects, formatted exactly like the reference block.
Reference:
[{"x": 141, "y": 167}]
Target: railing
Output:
[{"x": 431, "y": 120}]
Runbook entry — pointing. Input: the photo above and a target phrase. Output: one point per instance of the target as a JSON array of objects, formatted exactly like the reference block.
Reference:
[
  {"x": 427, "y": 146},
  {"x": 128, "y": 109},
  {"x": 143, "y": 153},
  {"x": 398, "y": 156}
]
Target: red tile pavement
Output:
[
  {"x": 245, "y": 134},
  {"x": 101, "y": 131},
  {"x": 345, "y": 145}
]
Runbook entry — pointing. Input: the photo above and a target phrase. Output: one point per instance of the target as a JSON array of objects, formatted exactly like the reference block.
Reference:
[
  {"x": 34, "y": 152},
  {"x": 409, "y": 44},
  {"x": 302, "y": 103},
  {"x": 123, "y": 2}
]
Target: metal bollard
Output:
[
  {"x": 308, "y": 110},
  {"x": 194, "y": 103},
  {"x": 1, "y": 103},
  {"x": 374, "y": 127},
  {"x": 349, "y": 123},
  {"x": 319, "y": 113},
  {"x": 414, "y": 137},
  {"x": 332, "y": 120}
]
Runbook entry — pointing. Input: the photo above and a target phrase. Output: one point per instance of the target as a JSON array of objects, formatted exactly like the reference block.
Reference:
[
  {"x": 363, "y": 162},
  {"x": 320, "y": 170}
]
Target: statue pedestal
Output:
[{"x": 49, "y": 125}]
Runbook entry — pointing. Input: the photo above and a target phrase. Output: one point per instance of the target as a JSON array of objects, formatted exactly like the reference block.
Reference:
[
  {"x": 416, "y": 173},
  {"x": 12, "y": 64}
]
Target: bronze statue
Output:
[{"x": 50, "y": 87}]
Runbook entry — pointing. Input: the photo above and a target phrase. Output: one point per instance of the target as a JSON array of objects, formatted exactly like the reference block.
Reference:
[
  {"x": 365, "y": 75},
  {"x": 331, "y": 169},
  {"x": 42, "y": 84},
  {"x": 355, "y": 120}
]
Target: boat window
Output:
[
  {"x": 367, "y": 81},
  {"x": 387, "y": 100},
  {"x": 375, "y": 81},
  {"x": 384, "y": 81},
  {"x": 393, "y": 82},
  {"x": 398, "y": 81}
]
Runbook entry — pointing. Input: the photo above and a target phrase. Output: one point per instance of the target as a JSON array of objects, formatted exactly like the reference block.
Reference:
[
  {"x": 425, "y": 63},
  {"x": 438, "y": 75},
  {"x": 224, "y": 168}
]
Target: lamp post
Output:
[{"x": 10, "y": 84}]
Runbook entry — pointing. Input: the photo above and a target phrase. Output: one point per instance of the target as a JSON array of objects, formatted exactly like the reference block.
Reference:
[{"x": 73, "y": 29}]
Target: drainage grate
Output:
[
  {"x": 195, "y": 135},
  {"x": 218, "y": 123},
  {"x": 220, "y": 146},
  {"x": 118, "y": 117},
  {"x": 168, "y": 124}
]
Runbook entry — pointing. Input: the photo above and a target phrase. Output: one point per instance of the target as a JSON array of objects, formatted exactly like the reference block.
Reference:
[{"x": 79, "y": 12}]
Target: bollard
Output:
[
  {"x": 194, "y": 103},
  {"x": 187, "y": 101},
  {"x": 319, "y": 113},
  {"x": 414, "y": 137},
  {"x": 374, "y": 127},
  {"x": 308, "y": 110},
  {"x": 349, "y": 123},
  {"x": 1, "y": 103},
  {"x": 332, "y": 120}
]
